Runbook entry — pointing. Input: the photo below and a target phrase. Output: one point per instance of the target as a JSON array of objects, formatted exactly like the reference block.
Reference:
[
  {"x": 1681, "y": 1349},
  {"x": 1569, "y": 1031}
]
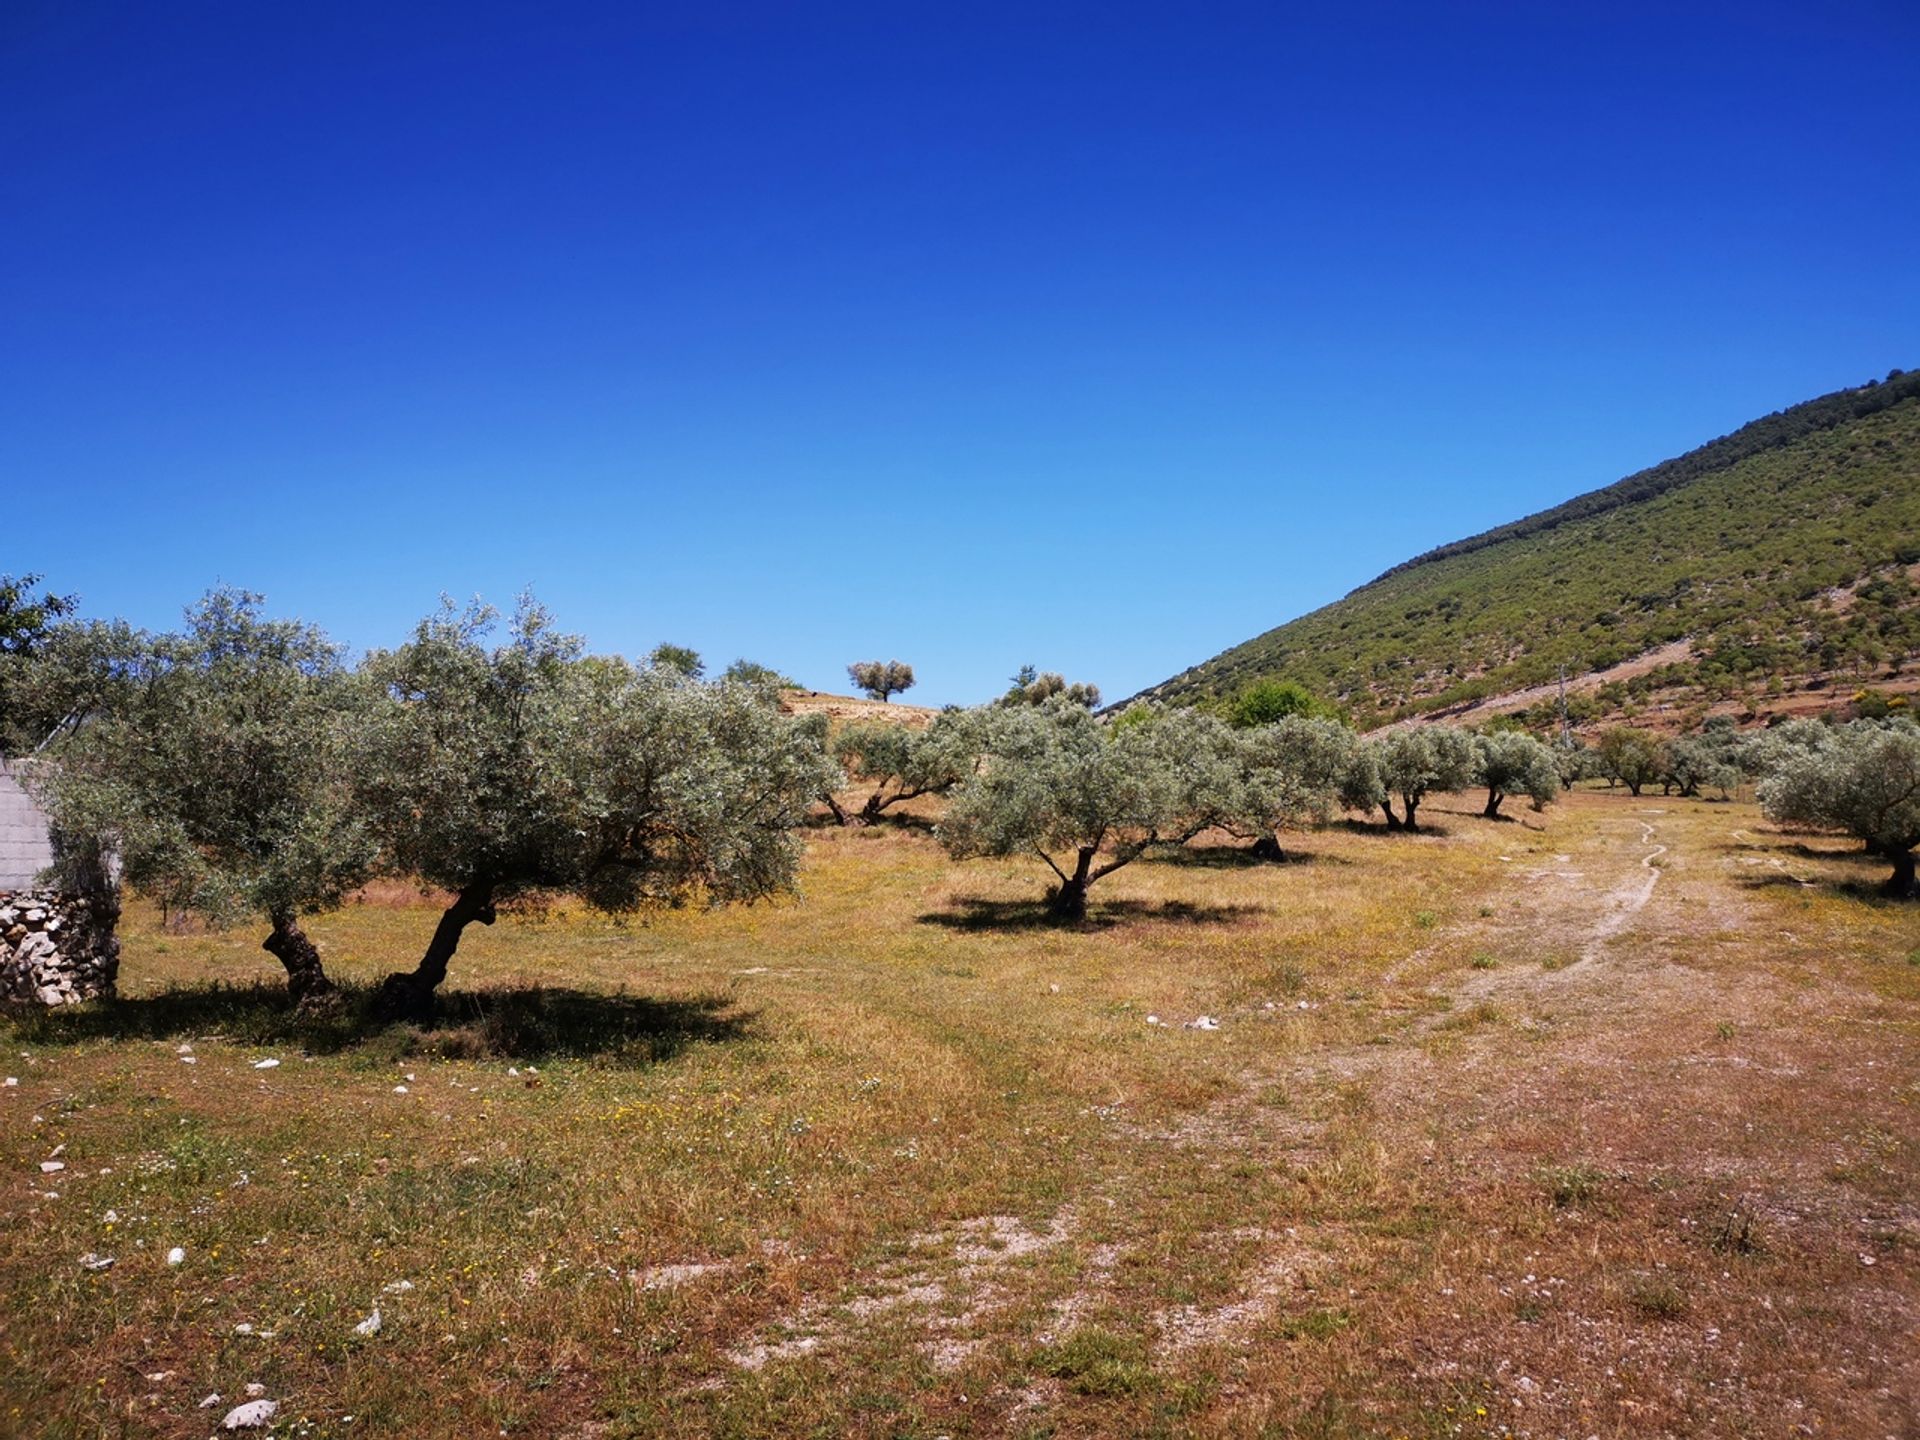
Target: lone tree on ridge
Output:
[{"x": 881, "y": 678}]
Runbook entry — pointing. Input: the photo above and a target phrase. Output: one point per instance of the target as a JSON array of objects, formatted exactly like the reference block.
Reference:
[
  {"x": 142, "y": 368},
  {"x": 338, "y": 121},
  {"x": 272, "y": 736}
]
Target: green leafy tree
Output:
[
  {"x": 881, "y": 679},
  {"x": 26, "y": 622},
  {"x": 1296, "y": 771},
  {"x": 1511, "y": 762},
  {"x": 213, "y": 762},
  {"x": 680, "y": 659},
  {"x": 1034, "y": 687},
  {"x": 1693, "y": 761},
  {"x": 902, "y": 763},
  {"x": 1630, "y": 757},
  {"x": 501, "y": 771},
  {"x": 1574, "y": 762},
  {"x": 1864, "y": 781},
  {"x": 1088, "y": 800},
  {"x": 1417, "y": 761},
  {"x": 1265, "y": 701},
  {"x": 749, "y": 672}
]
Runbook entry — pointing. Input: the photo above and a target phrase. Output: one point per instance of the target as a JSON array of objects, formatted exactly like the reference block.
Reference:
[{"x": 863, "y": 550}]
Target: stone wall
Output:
[{"x": 56, "y": 949}]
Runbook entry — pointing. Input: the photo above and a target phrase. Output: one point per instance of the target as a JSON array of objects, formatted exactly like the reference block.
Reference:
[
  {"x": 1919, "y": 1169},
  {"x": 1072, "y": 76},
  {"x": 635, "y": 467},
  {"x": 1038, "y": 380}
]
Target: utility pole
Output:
[{"x": 1566, "y": 725}]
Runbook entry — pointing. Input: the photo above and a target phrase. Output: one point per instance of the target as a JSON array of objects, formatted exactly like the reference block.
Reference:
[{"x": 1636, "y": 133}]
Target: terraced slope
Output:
[{"x": 1781, "y": 555}]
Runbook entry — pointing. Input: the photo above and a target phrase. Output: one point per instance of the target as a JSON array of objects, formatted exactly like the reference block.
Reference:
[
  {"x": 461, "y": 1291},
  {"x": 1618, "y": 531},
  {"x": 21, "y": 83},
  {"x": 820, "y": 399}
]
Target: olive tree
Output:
[
  {"x": 1088, "y": 798},
  {"x": 902, "y": 763},
  {"x": 1297, "y": 770},
  {"x": 212, "y": 761},
  {"x": 27, "y": 621},
  {"x": 880, "y": 679},
  {"x": 1691, "y": 761},
  {"x": 497, "y": 772},
  {"x": 1511, "y": 762},
  {"x": 682, "y": 659},
  {"x": 1630, "y": 757},
  {"x": 1418, "y": 760},
  {"x": 1865, "y": 781},
  {"x": 1034, "y": 687}
]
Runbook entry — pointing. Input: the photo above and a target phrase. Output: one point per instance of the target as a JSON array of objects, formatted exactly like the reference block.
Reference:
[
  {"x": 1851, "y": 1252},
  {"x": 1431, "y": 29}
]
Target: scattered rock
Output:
[
  {"x": 211, "y": 1401},
  {"x": 1204, "y": 1022},
  {"x": 177, "y": 1256},
  {"x": 265, "y": 1064},
  {"x": 251, "y": 1416},
  {"x": 96, "y": 1263},
  {"x": 369, "y": 1326}
]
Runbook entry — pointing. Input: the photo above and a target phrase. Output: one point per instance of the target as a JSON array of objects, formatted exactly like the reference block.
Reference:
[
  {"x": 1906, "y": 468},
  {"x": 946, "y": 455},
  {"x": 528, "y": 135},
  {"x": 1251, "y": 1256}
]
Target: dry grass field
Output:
[{"x": 1604, "y": 1123}]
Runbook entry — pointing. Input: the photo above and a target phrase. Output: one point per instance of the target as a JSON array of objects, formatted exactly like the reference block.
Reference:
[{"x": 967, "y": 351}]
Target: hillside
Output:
[{"x": 1779, "y": 559}]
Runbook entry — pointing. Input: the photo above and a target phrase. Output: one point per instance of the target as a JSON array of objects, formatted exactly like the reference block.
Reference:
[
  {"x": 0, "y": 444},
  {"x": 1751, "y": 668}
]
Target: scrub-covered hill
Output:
[{"x": 1781, "y": 557}]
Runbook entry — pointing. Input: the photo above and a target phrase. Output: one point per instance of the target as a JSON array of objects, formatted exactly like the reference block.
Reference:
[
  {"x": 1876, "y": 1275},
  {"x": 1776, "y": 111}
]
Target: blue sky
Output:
[{"x": 1097, "y": 336}]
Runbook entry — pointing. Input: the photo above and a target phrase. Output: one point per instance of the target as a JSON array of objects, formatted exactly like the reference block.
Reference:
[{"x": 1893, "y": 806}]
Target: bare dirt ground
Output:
[{"x": 851, "y": 707}]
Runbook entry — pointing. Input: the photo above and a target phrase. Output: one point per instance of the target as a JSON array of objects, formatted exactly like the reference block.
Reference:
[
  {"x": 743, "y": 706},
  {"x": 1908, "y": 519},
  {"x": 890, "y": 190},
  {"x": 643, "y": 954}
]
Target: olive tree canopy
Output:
[
  {"x": 1297, "y": 770},
  {"x": 902, "y": 763},
  {"x": 881, "y": 678},
  {"x": 1630, "y": 757},
  {"x": 496, "y": 771},
  {"x": 1088, "y": 798},
  {"x": 1418, "y": 760},
  {"x": 1865, "y": 780},
  {"x": 212, "y": 760},
  {"x": 1511, "y": 762}
]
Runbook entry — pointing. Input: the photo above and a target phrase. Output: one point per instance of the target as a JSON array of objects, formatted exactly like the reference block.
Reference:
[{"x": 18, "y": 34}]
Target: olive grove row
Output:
[{"x": 241, "y": 767}]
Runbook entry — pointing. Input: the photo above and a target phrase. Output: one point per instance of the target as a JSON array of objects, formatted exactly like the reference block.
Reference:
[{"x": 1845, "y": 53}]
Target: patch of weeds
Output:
[
  {"x": 1553, "y": 962},
  {"x": 1736, "y": 1235},
  {"x": 1094, "y": 1361},
  {"x": 1485, "y": 911},
  {"x": 1572, "y": 1186},
  {"x": 1425, "y": 919},
  {"x": 1275, "y": 1096},
  {"x": 1483, "y": 961},
  {"x": 1481, "y": 1014},
  {"x": 1724, "y": 1030},
  {"x": 1913, "y": 957},
  {"x": 1658, "y": 1299},
  {"x": 1321, "y": 1324}
]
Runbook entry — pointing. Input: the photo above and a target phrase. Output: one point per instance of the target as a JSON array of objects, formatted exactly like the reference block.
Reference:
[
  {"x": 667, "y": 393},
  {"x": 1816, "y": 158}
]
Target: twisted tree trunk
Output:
[
  {"x": 1901, "y": 885},
  {"x": 409, "y": 995},
  {"x": 1069, "y": 902},
  {"x": 306, "y": 977}
]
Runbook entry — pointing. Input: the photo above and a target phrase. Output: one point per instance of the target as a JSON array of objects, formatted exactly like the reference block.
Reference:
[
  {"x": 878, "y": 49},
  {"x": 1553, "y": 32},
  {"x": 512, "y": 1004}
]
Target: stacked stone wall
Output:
[{"x": 56, "y": 949}]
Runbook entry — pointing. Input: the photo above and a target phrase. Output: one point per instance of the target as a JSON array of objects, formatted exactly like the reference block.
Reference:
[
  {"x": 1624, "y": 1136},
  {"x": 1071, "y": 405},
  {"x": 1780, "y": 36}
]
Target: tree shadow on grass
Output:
[
  {"x": 527, "y": 1023},
  {"x": 1242, "y": 857},
  {"x": 1375, "y": 830},
  {"x": 975, "y": 913}
]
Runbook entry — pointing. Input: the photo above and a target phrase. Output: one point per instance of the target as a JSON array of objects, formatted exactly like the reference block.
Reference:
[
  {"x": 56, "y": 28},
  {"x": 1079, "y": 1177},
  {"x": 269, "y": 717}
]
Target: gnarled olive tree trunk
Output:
[
  {"x": 408, "y": 995},
  {"x": 306, "y": 977}
]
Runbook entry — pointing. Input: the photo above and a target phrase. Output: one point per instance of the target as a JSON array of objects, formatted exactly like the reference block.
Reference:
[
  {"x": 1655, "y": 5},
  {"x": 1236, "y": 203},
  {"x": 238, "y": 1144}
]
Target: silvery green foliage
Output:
[
  {"x": 1693, "y": 762},
  {"x": 1417, "y": 760},
  {"x": 1298, "y": 770},
  {"x": 1088, "y": 798},
  {"x": 212, "y": 760},
  {"x": 1573, "y": 761},
  {"x": 528, "y": 766},
  {"x": 1510, "y": 762},
  {"x": 881, "y": 678},
  {"x": 903, "y": 763},
  {"x": 1764, "y": 751},
  {"x": 1864, "y": 780}
]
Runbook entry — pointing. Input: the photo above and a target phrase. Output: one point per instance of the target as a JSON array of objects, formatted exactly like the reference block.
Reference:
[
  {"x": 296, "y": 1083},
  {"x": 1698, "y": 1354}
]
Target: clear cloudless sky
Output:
[{"x": 1097, "y": 336}]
